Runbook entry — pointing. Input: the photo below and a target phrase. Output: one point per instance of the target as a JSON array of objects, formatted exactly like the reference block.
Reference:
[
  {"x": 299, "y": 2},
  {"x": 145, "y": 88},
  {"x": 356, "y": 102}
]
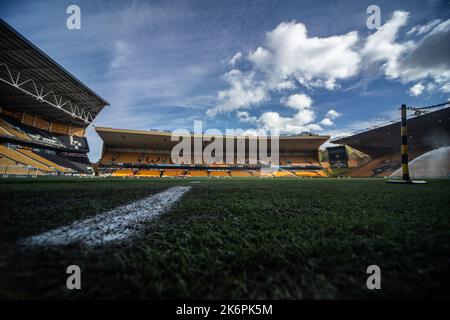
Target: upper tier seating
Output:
[
  {"x": 127, "y": 157},
  {"x": 16, "y": 132}
]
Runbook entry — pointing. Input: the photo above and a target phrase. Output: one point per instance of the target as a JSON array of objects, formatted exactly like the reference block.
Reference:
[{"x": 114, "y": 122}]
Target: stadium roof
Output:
[
  {"x": 425, "y": 133},
  {"x": 31, "y": 81},
  {"x": 159, "y": 140}
]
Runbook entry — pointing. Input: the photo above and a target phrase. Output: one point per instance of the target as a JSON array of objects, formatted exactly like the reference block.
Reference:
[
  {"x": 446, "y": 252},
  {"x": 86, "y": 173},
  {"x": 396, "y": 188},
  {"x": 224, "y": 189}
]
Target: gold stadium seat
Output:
[
  {"x": 309, "y": 174},
  {"x": 122, "y": 173},
  {"x": 173, "y": 172},
  {"x": 219, "y": 174},
  {"x": 37, "y": 157},
  {"x": 108, "y": 157},
  {"x": 322, "y": 173},
  {"x": 4, "y": 161},
  {"x": 148, "y": 173},
  {"x": 15, "y": 132},
  {"x": 255, "y": 173},
  {"x": 265, "y": 174},
  {"x": 239, "y": 173},
  {"x": 127, "y": 157},
  {"x": 198, "y": 173},
  {"x": 283, "y": 174},
  {"x": 5, "y": 132},
  {"x": 21, "y": 158},
  {"x": 19, "y": 170}
]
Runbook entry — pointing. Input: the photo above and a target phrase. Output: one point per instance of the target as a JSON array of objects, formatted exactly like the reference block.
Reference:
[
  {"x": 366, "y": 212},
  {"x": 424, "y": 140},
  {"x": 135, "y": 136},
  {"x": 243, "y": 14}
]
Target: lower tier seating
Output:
[
  {"x": 241, "y": 174},
  {"x": 198, "y": 173},
  {"x": 219, "y": 174},
  {"x": 122, "y": 173},
  {"x": 148, "y": 173}
]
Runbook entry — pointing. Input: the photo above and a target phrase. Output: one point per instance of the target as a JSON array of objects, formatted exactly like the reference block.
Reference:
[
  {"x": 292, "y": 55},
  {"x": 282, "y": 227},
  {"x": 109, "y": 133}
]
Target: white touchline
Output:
[{"x": 116, "y": 225}]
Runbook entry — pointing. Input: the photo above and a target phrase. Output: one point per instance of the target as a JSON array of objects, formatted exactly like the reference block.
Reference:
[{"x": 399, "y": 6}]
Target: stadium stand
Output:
[
  {"x": 44, "y": 111},
  {"x": 151, "y": 150},
  {"x": 382, "y": 145},
  {"x": 19, "y": 157}
]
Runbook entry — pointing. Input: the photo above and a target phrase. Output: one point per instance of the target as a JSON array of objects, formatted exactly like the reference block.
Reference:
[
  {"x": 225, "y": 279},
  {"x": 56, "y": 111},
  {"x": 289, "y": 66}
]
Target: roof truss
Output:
[{"x": 41, "y": 94}]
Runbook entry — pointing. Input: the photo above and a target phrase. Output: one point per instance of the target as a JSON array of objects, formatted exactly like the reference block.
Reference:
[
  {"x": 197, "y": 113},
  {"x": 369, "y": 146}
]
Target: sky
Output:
[{"x": 293, "y": 66}]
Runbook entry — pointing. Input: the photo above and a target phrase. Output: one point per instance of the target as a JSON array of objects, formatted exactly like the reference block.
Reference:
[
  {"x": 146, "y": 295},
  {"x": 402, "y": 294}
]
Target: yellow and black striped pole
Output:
[{"x": 404, "y": 148}]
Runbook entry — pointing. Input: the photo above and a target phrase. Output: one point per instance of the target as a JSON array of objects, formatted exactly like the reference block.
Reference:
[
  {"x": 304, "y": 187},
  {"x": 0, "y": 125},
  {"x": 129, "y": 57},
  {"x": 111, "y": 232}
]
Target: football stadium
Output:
[{"x": 306, "y": 224}]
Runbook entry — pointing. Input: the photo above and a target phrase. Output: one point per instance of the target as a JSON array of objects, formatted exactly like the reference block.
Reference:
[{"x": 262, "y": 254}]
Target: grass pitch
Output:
[{"x": 234, "y": 238}]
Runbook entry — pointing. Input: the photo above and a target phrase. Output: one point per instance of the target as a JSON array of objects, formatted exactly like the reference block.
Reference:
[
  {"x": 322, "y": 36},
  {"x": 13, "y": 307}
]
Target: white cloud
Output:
[
  {"x": 120, "y": 55},
  {"x": 429, "y": 57},
  {"x": 446, "y": 87},
  {"x": 417, "y": 89},
  {"x": 300, "y": 122},
  {"x": 327, "y": 122},
  {"x": 329, "y": 117},
  {"x": 298, "y": 101},
  {"x": 410, "y": 61},
  {"x": 333, "y": 114},
  {"x": 421, "y": 29},
  {"x": 244, "y": 91},
  {"x": 290, "y": 57},
  {"x": 285, "y": 85},
  {"x": 289, "y": 54},
  {"x": 244, "y": 116},
  {"x": 381, "y": 45},
  {"x": 292, "y": 52},
  {"x": 261, "y": 58},
  {"x": 235, "y": 58}
]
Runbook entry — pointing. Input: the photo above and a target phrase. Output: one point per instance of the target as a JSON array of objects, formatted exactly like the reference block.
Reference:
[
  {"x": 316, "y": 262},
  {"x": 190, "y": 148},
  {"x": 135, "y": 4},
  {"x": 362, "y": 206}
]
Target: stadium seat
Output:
[
  {"x": 148, "y": 173},
  {"x": 40, "y": 159},
  {"x": 122, "y": 173},
  {"x": 173, "y": 173},
  {"x": 127, "y": 157},
  {"x": 17, "y": 133},
  {"x": 283, "y": 174},
  {"x": 239, "y": 173},
  {"x": 21, "y": 158},
  {"x": 219, "y": 174},
  {"x": 310, "y": 174},
  {"x": 21, "y": 170},
  {"x": 198, "y": 173}
]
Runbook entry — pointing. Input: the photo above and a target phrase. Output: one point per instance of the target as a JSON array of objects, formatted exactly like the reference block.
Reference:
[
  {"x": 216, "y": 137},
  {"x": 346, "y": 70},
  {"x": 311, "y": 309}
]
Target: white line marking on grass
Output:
[{"x": 116, "y": 225}]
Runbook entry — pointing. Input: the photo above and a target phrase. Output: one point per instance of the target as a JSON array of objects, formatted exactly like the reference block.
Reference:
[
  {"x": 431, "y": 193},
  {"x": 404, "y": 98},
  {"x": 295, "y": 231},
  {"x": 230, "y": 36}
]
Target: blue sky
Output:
[{"x": 287, "y": 65}]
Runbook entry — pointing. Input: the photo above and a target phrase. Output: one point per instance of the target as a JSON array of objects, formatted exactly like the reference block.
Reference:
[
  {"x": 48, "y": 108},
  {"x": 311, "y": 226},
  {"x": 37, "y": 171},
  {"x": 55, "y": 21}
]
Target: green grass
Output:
[{"x": 235, "y": 238}]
